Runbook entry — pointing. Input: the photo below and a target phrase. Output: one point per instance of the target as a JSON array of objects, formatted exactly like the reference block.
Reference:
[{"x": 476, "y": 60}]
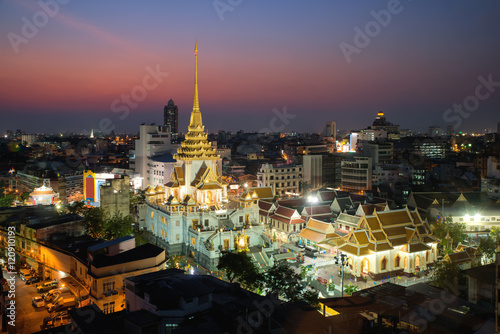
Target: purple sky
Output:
[{"x": 78, "y": 64}]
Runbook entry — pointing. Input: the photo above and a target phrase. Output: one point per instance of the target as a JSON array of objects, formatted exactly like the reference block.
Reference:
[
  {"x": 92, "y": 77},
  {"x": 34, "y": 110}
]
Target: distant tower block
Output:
[
  {"x": 330, "y": 135},
  {"x": 498, "y": 127},
  {"x": 330, "y": 130},
  {"x": 171, "y": 117}
]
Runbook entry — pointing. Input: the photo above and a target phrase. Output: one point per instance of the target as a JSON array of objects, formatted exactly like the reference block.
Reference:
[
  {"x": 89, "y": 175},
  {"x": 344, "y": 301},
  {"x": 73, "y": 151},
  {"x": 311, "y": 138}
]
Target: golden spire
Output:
[
  {"x": 196, "y": 122},
  {"x": 195, "y": 145},
  {"x": 196, "y": 104}
]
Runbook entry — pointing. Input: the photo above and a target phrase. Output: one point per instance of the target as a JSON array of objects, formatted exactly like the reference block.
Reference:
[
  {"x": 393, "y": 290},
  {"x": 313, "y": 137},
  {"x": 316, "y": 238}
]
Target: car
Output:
[
  {"x": 48, "y": 322},
  {"x": 38, "y": 301},
  {"x": 33, "y": 280},
  {"x": 47, "y": 286},
  {"x": 59, "y": 319}
]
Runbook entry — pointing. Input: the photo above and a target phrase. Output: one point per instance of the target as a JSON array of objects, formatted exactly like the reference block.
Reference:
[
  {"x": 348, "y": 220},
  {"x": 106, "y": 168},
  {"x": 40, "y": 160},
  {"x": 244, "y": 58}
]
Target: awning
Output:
[{"x": 75, "y": 287}]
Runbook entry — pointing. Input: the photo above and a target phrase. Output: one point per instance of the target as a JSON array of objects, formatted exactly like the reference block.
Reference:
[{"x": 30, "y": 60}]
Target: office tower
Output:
[{"x": 171, "y": 117}]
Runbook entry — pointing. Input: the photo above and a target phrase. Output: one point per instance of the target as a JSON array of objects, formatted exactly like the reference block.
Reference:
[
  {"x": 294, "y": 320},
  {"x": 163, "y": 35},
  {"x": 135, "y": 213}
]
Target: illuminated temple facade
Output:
[
  {"x": 192, "y": 214},
  {"x": 390, "y": 243}
]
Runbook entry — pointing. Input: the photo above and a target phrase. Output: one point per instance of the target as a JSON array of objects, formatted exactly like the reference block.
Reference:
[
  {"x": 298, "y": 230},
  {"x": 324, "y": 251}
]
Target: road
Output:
[{"x": 28, "y": 318}]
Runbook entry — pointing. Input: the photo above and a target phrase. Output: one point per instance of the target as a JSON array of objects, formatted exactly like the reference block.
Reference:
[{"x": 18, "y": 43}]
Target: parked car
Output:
[
  {"x": 47, "y": 286},
  {"x": 61, "y": 318},
  {"x": 63, "y": 303},
  {"x": 25, "y": 274},
  {"x": 33, "y": 280},
  {"x": 38, "y": 301}
]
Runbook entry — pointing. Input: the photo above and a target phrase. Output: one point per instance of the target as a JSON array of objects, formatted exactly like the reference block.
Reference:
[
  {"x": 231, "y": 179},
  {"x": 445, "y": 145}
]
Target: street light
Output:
[
  {"x": 312, "y": 200},
  {"x": 342, "y": 262}
]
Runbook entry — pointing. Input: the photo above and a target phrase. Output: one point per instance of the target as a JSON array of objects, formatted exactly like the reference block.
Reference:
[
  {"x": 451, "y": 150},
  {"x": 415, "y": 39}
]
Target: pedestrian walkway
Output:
[{"x": 325, "y": 270}]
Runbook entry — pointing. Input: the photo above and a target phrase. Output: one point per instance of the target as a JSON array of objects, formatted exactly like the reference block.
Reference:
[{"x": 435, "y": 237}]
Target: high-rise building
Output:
[
  {"x": 435, "y": 131},
  {"x": 154, "y": 141},
  {"x": 381, "y": 123},
  {"x": 357, "y": 174},
  {"x": 329, "y": 136},
  {"x": 171, "y": 117}
]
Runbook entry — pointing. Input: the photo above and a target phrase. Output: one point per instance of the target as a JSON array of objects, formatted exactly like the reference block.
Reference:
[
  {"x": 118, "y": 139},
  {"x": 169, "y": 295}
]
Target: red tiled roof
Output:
[{"x": 284, "y": 211}]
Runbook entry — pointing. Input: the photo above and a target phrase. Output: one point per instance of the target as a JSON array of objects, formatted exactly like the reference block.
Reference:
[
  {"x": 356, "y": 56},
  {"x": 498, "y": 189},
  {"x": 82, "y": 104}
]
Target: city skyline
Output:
[{"x": 330, "y": 62}]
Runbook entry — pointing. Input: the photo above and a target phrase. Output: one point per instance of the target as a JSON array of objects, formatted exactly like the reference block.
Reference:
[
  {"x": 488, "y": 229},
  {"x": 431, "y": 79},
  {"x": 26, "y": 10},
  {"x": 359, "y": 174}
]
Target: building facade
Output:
[
  {"x": 357, "y": 174},
  {"x": 171, "y": 117},
  {"x": 285, "y": 180},
  {"x": 153, "y": 141},
  {"x": 388, "y": 243}
]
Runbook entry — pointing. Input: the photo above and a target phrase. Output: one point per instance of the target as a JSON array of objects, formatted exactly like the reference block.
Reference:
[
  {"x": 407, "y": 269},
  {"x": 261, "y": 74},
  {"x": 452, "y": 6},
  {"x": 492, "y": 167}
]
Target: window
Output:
[
  {"x": 193, "y": 241},
  {"x": 177, "y": 223},
  {"x": 152, "y": 214},
  {"x": 110, "y": 285},
  {"x": 383, "y": 264},
  {"x": 108, "y": 308},
  {"x": 397, "y": 261},
  {"x": 177, "y": 237},
  {"x": 206, "y": 222},
  {"x": 241, "y": 219}
]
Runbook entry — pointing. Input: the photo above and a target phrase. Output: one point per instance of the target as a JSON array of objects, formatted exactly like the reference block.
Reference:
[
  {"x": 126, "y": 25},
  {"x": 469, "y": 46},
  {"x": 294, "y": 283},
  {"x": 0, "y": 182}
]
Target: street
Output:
[{"x": 28, "y": 318}]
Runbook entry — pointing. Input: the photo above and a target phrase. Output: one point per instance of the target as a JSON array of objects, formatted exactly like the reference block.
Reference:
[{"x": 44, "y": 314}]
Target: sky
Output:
[{"x": 281, "y": 65}]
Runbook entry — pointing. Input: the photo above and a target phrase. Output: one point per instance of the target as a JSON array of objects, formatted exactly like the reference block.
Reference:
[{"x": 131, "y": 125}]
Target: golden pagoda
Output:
[
  {"x": 197, "y": 175},
  {"x": 196, "y": 145}
]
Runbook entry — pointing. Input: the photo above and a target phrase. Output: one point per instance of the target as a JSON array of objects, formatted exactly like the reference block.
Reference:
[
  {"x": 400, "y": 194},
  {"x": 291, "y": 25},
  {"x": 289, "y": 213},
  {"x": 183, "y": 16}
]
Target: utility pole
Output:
[{"x": 342, "y": 262}]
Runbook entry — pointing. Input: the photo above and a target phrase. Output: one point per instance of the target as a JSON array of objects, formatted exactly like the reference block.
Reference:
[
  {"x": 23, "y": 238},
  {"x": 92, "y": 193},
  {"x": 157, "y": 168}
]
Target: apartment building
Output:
[{"x": 285, "y": 180}]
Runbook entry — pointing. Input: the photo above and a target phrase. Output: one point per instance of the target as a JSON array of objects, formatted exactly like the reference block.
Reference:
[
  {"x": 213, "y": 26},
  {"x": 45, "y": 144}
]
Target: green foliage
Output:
[
  {"x": 495, "y": 234},
  {"x": 24, "y": 196},
  {"x": 304, "y": 270},
  {"x": 448, "y": 276},
  {"x": 118, "y": 226},
  {"x": 240, "y": 267},
  {"x": 350, "y": 289},
  {"x": 487, "y": 246},
  {"x": 282, "y": 281},
  {"x": 310, "y": 297},
  {"x": 7, "y": 200},
  {"x": 455, "y": 230},
  {"x": 94, "y": 222},
  {"x": 98, "y": 225},
  {"x": 174, "y": 261},
  {"x": 77, "y": 208},
  {"x": 331, "y": 286},
  {"x": 136, "y": 197}
]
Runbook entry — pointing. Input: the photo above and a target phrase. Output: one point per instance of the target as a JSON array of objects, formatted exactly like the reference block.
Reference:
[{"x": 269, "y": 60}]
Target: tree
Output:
[
  {"x": 24, "y": 196},
  {"x": 239, "y": 266},
  {"x": 350, "y": 289},
  {"x": 99, "y": 225},
  {"x": 94, "y": 222},
  {"x": 487, "y": 246},
  {"x": 282, "y": 281},
  {"x": 174, "y": 261},
  {"x": 118, "y": 226},
  {"x": 448, "y": 276},
  {"x": 495, "y": 234},
  {"x": 456, "y": 232},
  {"x": 7, "y": 201},
  {"x": 77, "y": 208}
]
